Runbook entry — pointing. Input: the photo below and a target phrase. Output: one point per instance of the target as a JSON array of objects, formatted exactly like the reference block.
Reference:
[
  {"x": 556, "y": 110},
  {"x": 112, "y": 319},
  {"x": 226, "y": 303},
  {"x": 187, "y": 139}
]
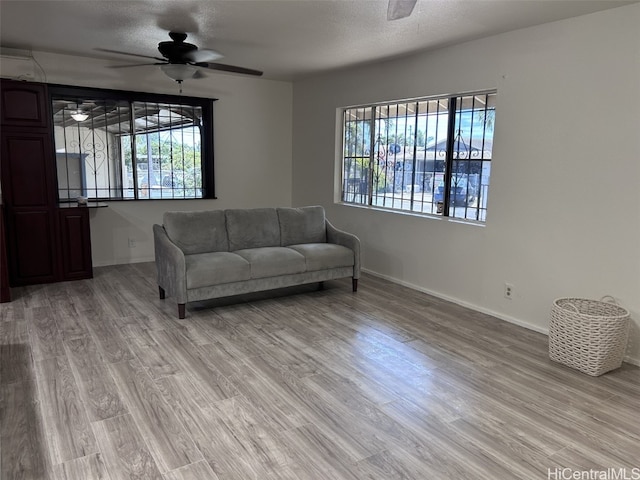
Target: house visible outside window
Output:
[
  {"x": 430, "y": 155},
  {"x": 115, "y": 146}
]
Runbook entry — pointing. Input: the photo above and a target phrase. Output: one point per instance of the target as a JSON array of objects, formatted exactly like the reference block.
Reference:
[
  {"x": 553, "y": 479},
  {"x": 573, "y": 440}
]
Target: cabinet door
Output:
[
  {"x": 28, "y": 191},
  {"x": 75, "y": 243},
  {"x": 32, "y": 246},
  {"x": 28, "y": 170},
  {"x": 24, "y": 104}
]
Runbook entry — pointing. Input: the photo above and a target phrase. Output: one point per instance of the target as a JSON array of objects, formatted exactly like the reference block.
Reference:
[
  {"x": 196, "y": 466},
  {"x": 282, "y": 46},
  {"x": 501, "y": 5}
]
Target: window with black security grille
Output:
[
  {"x": 117, "y": 145},
  {"x": 427, "y": 156}
]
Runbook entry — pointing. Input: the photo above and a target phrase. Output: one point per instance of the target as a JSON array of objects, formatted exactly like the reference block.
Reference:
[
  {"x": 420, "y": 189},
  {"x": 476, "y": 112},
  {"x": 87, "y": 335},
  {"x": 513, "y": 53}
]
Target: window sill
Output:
[
  {"x": 86, "y": 205},
  {"x": 430, "y": 216}
]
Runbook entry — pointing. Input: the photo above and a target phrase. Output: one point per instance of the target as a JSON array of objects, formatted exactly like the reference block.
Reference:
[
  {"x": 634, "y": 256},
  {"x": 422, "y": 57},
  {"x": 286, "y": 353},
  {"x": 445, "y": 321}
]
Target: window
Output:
[
  {"x": 430, "y": 155},
  {"x": 115, "y": 145}
]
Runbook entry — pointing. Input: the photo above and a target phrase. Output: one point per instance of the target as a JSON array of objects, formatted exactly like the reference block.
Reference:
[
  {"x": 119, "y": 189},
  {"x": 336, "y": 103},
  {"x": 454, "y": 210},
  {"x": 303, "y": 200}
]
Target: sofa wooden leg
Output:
[
  {"x": 181, "y": 310},
  {"x": 320, "y": 285},
  {"x": 354, "y": 283},
  {"x": 161, "y": 291}
]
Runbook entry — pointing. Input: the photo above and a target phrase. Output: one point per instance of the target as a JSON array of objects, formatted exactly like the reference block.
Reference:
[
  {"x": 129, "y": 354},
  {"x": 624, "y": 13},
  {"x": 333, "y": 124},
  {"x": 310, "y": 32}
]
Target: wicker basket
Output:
[{"x": 588, "y": 335}]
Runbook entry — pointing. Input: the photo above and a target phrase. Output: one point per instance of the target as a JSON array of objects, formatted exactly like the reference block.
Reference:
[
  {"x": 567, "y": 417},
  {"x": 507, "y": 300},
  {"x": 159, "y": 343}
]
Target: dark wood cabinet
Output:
[
  {"x": 28, "y": 184},
  {"x": 24, "y": 104},
  {"x": 28, "y": 170},
  {"x": 32, "y": 248},
  {"x": 75, "y": 243},
  {"x": 44, "y": 242}
]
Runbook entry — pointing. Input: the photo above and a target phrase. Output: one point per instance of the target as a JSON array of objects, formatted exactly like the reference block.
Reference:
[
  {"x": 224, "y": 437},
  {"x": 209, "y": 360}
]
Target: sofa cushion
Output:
[
  {"x": 205, "y": 269},
  {"x": 272, "y": 261},
  {"x": 197, "y": 232},
  {"x": 320, "y": 256},
  {"x": 302, "y": 225},
  {"x": 252, "y": 228}
]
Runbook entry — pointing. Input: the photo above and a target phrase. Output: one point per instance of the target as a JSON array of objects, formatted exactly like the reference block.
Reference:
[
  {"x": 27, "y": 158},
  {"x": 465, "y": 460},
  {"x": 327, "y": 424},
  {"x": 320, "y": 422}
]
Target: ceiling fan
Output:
[{"x": 181, "y": 60}]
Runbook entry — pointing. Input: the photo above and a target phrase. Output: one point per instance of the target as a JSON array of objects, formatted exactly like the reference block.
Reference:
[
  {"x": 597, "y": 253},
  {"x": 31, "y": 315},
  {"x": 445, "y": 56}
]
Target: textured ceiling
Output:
[{"x": 287, "y": 39}]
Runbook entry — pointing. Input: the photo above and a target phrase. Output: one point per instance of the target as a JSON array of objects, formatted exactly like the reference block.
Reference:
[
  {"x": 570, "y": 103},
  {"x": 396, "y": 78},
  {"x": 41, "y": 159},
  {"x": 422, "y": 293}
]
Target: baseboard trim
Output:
[
  {"x": 477, "y": 308},
  {"x": 122, "y": 261}
]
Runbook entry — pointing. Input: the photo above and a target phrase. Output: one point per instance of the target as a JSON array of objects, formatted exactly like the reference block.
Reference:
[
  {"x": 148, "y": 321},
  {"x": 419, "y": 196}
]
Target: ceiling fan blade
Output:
[
  {"x": 204, "y": 55},
  {"x": 135, "y": 65},
  {"x": 130, "y": 54},
  {"x": 228, "y": 68},
  {"x": 400, "y": 9}
]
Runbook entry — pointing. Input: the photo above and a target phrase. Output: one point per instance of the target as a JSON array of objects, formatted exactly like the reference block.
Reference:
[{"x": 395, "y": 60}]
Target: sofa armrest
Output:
[
  {"x": 349, "y": 240},
  {"x": 170, "y": 263}
]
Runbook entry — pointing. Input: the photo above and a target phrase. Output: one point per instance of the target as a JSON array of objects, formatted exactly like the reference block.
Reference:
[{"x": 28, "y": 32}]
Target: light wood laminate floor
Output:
[{"x": 100, "y": 380}]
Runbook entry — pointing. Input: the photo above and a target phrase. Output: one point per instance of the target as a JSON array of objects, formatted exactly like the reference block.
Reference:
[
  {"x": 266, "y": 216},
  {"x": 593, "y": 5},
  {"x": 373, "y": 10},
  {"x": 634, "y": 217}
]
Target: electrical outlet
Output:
[
  {"x": 508, "y": 291},
  {"x": 132, "y": 243}
]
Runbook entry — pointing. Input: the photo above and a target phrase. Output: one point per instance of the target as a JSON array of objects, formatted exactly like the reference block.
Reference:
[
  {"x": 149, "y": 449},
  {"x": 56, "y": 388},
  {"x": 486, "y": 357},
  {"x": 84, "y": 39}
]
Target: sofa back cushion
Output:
[
  {"x": 252, "y": 228},
  {"x": 302, "y": 225},
  {"x": 198, "y": 231}
]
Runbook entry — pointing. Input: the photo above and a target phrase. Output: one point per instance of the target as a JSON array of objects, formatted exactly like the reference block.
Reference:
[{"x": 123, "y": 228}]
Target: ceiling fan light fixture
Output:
[
  {"x": 79, "y": 116},
  {"x": 178, "y": 71}
]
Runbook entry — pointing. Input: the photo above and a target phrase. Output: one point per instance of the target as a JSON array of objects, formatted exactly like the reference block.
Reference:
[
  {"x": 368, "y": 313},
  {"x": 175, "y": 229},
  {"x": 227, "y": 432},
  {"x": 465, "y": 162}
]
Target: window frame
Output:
[
  {"x": 348, "y": 152},
  {"x": 206, "y": 131}
]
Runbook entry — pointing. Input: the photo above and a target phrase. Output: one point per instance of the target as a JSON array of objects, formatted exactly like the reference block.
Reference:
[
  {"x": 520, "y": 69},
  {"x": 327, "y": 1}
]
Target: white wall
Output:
[
  {"x": 252, "y": 136},
  {"x": 564, "y": 202}
]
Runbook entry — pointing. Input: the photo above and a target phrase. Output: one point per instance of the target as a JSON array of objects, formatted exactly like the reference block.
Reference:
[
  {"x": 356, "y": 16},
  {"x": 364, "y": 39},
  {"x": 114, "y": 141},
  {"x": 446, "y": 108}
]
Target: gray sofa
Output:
[{"x": 209, "y": 254}]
